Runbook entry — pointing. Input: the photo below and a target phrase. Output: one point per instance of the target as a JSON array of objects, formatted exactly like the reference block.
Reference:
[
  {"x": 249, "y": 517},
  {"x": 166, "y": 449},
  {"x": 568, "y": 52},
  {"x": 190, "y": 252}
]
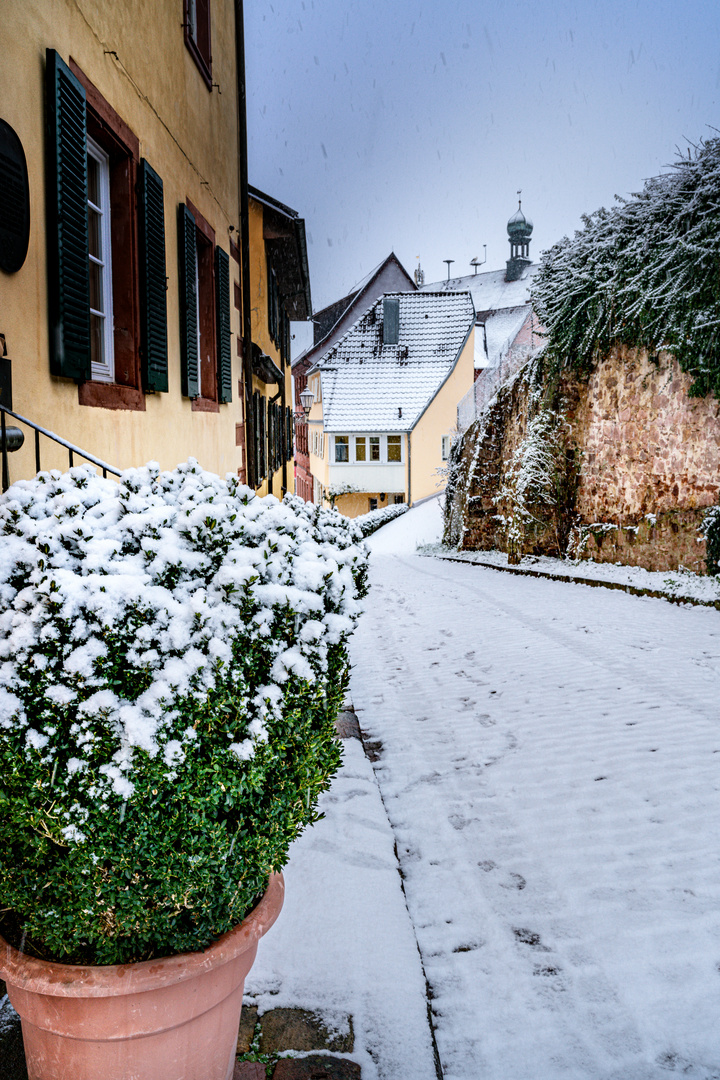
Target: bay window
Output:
[{"x": 363, "y": 449}]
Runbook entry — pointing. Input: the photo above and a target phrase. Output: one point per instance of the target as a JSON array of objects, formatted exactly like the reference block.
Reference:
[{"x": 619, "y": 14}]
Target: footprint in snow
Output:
[
  {"x": 517, "y": 881},
  {"x": 529, "y": 937},
  {"x": 470, "y": 947},
  {"x": 459, "y": 822}
]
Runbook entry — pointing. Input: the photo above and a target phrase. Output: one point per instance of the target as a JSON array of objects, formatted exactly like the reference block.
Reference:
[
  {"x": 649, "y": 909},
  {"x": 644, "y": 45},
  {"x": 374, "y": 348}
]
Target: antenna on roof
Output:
[
  {"x": 476, "y": 262},
  {"x": 448, "y": 261}
]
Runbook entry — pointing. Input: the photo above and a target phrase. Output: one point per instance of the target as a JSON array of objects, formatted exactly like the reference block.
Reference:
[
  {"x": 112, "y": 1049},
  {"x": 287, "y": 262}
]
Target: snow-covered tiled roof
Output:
[
  {"x": 368, "y": 386},
  {"x": 491, "y": 291},
  {"x": 501, "y": 329}
]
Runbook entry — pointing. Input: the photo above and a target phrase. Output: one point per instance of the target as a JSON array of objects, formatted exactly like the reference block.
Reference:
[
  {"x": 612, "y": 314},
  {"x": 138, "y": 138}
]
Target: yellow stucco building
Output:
[
  {"x": 128, "y": 328},
  {"x": 385, "y": 399}
]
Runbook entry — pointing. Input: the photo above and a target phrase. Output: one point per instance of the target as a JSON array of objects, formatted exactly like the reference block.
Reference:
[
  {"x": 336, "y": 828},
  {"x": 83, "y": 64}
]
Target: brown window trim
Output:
[
  {"x": 111, "y": 131},
  {"x": 107, "y": 114},
  {"x": 206, "y": 402},
  {"x": 201, "y": 222},
  {"x": 111, "y": 396},
  {"x": 203, "y": 63}
]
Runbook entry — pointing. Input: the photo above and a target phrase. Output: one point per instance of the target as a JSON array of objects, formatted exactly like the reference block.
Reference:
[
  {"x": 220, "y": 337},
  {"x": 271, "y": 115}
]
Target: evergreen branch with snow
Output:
[{"x": 645, "y": 273}]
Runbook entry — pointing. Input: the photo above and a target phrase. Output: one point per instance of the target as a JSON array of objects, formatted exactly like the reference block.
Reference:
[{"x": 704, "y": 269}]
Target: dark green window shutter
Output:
[
  {"x": 256, "y": 428},
  {"x": 222, "y": 305},
  {"x": 67, "y": 229},
  {"x": 289, "y": 433},
  {"x": 153, "y": 284},
  {"x": 262, "y": 404},
  {"x": 187, "y": 263},
  {"x": 260, "y": 416}
]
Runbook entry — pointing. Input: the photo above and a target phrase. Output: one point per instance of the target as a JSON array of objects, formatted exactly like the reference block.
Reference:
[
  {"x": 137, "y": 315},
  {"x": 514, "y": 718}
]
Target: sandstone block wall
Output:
[{"x": 650, "y": 461}]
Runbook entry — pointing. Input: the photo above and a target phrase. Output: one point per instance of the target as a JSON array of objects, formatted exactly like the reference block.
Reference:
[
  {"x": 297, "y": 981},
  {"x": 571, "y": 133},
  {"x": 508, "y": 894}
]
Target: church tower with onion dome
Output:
[{"x": 519, "y": 229}]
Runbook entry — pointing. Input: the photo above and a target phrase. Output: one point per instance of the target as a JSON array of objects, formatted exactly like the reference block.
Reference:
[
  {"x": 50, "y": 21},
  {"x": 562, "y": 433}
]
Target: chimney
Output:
[{"x": 391, "y": 320}]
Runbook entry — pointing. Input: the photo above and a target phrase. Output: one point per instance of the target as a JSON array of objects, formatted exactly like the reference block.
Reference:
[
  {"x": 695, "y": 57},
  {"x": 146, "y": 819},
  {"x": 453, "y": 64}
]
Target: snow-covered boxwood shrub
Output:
[
  {"x": 371, "y": 522},
  {"x": 173, "y": 655}
]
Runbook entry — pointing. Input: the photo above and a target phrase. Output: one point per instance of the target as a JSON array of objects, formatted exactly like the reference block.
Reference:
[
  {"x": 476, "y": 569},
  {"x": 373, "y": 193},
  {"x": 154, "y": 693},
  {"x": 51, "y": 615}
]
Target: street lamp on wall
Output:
[{"x": 306, "y": 399}]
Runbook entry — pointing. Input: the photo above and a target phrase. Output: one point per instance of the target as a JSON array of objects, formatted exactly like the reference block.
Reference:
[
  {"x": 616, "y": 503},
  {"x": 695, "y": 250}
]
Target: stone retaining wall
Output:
[{"x": 649, "y": 464}]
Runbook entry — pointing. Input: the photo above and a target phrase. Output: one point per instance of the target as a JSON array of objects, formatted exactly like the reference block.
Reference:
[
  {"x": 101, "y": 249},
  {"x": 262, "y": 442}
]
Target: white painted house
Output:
[{"x": 385, "y": 398}]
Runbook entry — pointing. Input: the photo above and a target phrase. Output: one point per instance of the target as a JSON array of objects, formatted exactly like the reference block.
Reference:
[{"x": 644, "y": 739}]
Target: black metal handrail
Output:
[{"x": 70, "y": 447}]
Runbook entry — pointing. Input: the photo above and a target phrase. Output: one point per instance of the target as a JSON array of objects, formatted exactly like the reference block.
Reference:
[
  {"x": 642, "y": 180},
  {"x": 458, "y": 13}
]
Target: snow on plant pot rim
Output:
[{"x": 173, "y": 651}]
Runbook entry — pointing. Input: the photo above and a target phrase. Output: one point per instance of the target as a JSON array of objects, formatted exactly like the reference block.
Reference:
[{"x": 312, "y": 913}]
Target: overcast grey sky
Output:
[{"x": 409, "y": 126}]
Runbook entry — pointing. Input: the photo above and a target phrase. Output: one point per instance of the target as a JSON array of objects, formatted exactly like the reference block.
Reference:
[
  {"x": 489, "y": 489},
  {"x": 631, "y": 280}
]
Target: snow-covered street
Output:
[{"x": 550, "y": 766}]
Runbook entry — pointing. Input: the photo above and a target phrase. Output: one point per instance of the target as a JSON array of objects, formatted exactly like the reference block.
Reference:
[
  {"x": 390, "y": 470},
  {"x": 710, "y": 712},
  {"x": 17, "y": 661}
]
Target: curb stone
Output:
[{"x": 316, "y": 1067}]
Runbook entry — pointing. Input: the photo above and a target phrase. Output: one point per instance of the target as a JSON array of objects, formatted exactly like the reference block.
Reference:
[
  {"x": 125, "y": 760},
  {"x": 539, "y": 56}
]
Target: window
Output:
[
  {"x": 394, "y": 447},
  {"x": 102, "y": 348},
  {"x": 399, "y": 499},
  {"x": 106, "y": 248},
  {"x": 277, "y": 436},
  {"x": 372, "y": 504},
  {"x": 278, "y": 322},
  {"x": 342, "y": 448},
  {"x": 196, "y": 24},
  {"x": 445, "y": 447},
  {"x": 289, "y": 434},
  {"x": 360, "y": 448},
  {"x": 260, "y": 425},
  {"x": 206, "y": 365},
  {"x": 374, "y": 441}
]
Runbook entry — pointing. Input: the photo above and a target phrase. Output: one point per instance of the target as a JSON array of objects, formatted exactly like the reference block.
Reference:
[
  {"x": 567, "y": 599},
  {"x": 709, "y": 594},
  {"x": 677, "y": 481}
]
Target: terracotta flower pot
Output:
[{"x": 175, "y": 1018}]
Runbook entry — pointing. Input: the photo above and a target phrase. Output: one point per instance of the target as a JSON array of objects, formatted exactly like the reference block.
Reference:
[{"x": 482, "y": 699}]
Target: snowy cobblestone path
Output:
[{"x": 550, "y": 765}]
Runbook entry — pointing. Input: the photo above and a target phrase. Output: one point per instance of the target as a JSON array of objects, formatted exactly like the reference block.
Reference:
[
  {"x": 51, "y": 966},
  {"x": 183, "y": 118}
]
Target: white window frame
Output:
[
  {"x": 445, "y": 446},
  {"x": 394, "y": 435},
  {"x": 103, "y": 371},
  {"x": 383, "y": 459}
]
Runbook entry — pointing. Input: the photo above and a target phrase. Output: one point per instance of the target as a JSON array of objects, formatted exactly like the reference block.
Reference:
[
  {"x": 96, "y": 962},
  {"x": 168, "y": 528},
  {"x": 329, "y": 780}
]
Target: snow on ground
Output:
[
  {"x": 550, "y": 767},
  {"x": 421, "y": 525},
  {"x": 344, "y": 943},
  {"x": 674, "y": 583}
]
